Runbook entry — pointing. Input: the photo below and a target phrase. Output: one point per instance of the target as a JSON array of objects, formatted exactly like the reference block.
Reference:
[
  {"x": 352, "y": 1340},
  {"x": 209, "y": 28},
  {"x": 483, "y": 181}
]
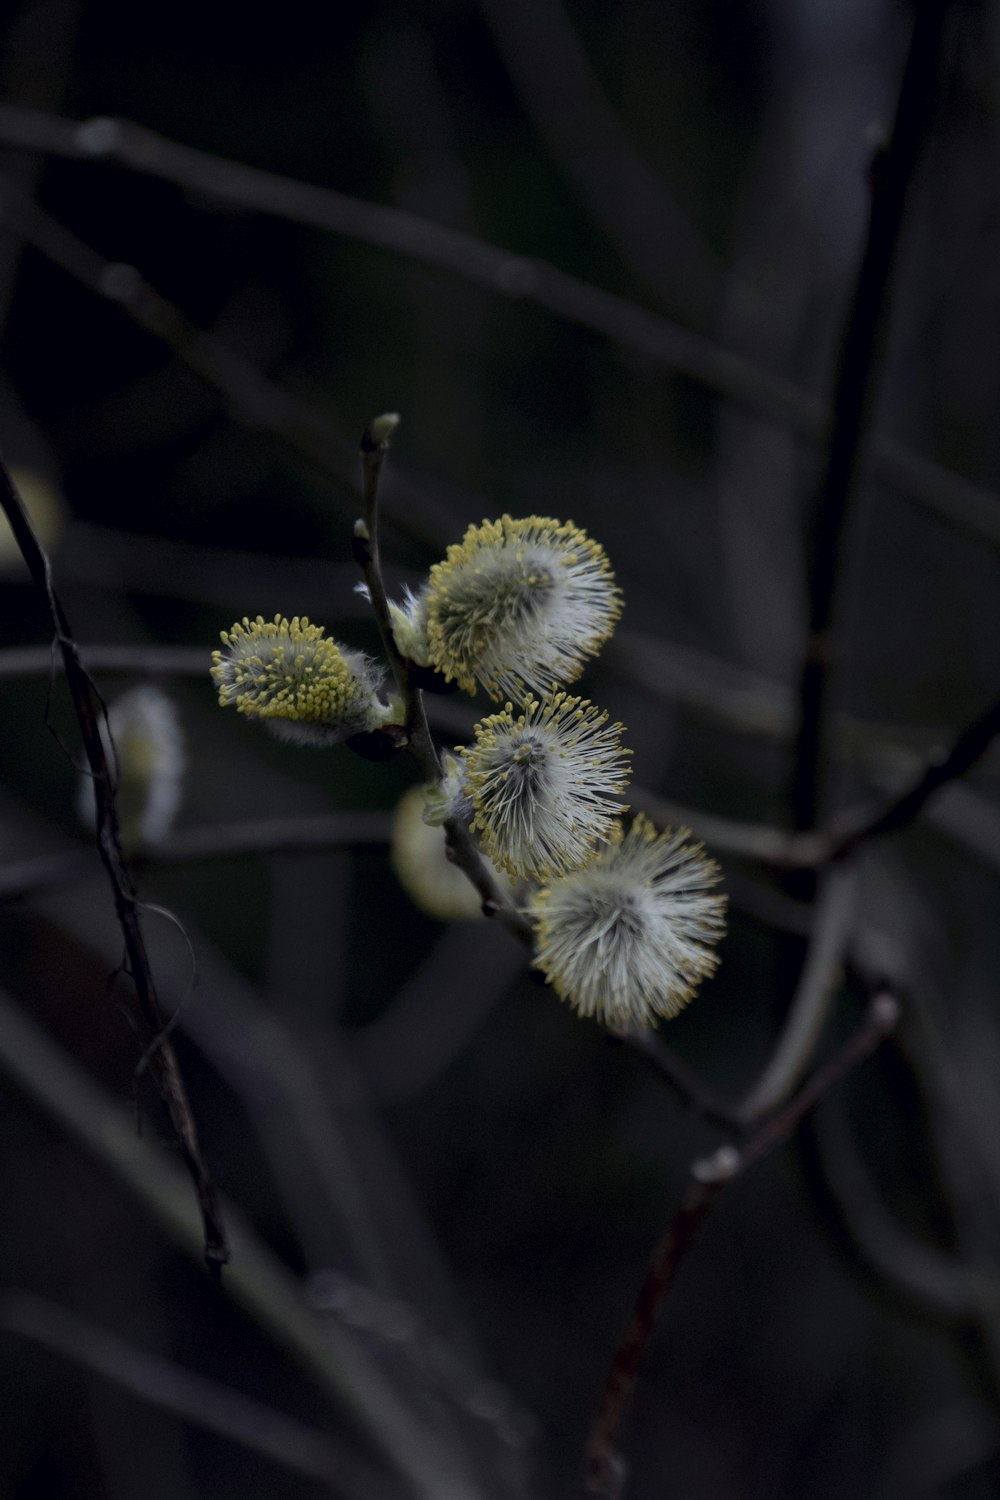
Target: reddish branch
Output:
[{"x": 605, "y": 1470}]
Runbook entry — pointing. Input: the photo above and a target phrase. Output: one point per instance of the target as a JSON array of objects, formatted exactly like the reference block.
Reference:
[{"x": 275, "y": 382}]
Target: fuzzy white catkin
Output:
[
  {"x": 519, "y": 606},
  {"x": 144, "y": 743},
  {"x": 630, "y": 938}
]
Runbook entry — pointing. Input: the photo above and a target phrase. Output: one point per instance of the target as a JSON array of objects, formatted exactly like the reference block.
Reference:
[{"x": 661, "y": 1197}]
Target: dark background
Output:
[{"x": 394, "y": 1103}]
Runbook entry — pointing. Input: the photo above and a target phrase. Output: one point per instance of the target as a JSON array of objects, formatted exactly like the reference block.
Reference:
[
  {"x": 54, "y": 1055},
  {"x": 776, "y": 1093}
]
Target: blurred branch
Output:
[
  {"x": 970, "y": 746},
  {"x": 813, "y": 998},
  {"x": 35, "y": 68},
  {"x": 264, "y": 836},
  {"x": 256, "y": 1279},
  {"x": 431, "y": 1019},
  {"x": 624, "y": 323},
  {"x": 630, "y": 203},
  {"x": 931, "y": 1279},
  {"x": 403, "y": 1329},
  {"x": 222, "y": 578},
  {"x": 254, "y": 398},
  {"x": 193, "y": 1399},
  {"x": 859, "y": 364},
  {"x": 89, "y": 710},
  {"x": 605, "y": 1470},
  {"x": 144, "y": 661},
  {"x": 819, "y": 848}
]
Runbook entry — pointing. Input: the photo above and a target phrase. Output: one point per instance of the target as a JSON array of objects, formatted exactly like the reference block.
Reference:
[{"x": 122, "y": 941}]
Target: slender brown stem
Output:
[
  {"x": 461, "y": 847},
  {"x": 857, "y": 373},
  {"x": 686, "y": 1084},
  {"x": 162, "y": 1058},
  {"x": 375, "y": 442},
  {"x": 605, "y": 1470}
]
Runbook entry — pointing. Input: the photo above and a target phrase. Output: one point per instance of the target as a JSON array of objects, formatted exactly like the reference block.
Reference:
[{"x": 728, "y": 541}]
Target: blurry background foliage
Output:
[{"x": 504, "y": 1169}]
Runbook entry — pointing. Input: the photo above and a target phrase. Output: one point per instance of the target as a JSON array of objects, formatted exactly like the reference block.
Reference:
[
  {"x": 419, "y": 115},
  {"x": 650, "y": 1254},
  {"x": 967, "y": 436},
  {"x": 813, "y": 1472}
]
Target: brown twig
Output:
[
  {"x": 161, "y": 1055},
  {"x": 857, "y": 373},
  {"x": 461, "y": 848},
  {"x": 375, "y": 442},
  {"x": 687, "y": 1085},
  {"x": 605, "y": 1470}
]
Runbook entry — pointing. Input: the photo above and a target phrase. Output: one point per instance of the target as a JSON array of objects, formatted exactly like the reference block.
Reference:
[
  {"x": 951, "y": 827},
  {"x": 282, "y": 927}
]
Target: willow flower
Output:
[
  {"x": 409, "y": 626},
  {"x": 144, "y": 744},
  {"x": 423, "y": 868},
  {"x": 409, "y": 622},
  {"x": 301, "y": 684},
  {"x": 630, "y": 938},
  {"x": 544, "y": 786},
  {"x": 450, "y": 798},
  {"x": 519, "y": 606}
]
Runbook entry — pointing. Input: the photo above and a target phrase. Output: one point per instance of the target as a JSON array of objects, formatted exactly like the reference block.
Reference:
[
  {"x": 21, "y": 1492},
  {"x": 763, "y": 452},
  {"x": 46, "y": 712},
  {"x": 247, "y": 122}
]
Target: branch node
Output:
[{"x": 719, "y": 1167}]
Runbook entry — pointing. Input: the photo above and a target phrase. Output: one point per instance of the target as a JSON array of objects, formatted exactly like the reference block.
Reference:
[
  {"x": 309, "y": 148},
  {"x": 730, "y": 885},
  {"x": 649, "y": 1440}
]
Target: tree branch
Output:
[
  {"x": 89, "y": 712},
  {"x": 859, "y": 365}
]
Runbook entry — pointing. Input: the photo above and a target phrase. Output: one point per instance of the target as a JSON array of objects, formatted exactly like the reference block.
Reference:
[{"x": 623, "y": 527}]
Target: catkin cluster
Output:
[{"x": 625, "y": 917}]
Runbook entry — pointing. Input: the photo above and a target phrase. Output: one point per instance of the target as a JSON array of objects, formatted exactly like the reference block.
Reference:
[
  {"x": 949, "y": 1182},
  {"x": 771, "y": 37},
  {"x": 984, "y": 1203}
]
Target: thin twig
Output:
[
  {"x": 460, "y": 845},
  {"x": 624, "y": 323},
  {"x": 375, "y": 442},
  {"x": 161, "y": 1055},
  {"x": 605, "y": 1470},
  {"x": 857, "y": 373},
  {"x": 819, "y": 848},
  {"x": 968, "y": 748},
  {"x": 193, "y": 1399},
  {"x": 686, "y": 1084}
]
